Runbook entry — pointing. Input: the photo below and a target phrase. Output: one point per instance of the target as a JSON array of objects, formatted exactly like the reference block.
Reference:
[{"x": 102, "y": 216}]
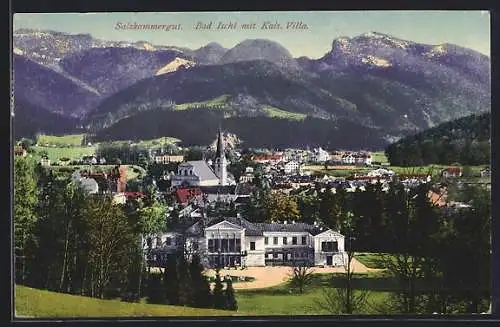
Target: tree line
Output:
[
  {"x": 72, "y": 242},
  {"x": 465, "y": 140}
]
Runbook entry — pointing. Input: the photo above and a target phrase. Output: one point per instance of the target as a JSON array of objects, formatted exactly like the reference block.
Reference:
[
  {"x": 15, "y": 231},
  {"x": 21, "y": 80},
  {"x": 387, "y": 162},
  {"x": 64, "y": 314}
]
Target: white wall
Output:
[{"x": 254, "y": 258}]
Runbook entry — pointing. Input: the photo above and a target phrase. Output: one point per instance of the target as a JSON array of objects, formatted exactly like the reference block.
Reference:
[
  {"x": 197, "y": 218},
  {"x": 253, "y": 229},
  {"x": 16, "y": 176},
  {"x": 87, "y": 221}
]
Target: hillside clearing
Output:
[
  {"x": 64, "y": 140},
  {"x": 274, "y": 112}
]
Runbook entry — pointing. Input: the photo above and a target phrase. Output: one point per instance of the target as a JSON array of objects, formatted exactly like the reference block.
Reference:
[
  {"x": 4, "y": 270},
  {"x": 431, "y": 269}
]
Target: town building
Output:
[
  {"x": 319, "y": 155},
  {"x": 20, "y": 151},
  {"x": 45, "y": 161},
  {"x": 167, "y": 158},
  {"x": 248, "y": 176},
  {"x": 451, "y": 172},
  {"x": 291, "y": 167},
  {"x": 234, "y": 241}
]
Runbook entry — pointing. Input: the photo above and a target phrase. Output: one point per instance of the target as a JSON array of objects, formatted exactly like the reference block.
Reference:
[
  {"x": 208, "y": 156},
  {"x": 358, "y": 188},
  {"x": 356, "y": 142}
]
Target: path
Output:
[{"x": 271, "y": 276}]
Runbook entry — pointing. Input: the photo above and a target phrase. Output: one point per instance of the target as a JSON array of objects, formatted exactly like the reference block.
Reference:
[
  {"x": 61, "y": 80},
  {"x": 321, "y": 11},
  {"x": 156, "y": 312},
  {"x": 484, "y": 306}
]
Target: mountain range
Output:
[{"x": 378, "y": 86}]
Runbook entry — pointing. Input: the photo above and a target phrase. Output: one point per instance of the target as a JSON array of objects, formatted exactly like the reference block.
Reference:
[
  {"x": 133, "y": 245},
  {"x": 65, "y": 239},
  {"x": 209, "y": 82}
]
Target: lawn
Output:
[
  {"x": 278, "y": 113},
  {"x": 280, "y": 300},
  {"x": 218, "y": 101},
  {"x": 31, "y": 302},
  {"x": 73, "y": 153},
  {"x": 65, "y": 140},
  {"x": 379, "y": 156},
  {"x": 373, "y": 260},
  {"x": 160, "y": 141}
]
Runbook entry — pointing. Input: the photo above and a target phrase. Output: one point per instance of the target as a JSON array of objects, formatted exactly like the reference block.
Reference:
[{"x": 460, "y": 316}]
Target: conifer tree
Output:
[
  {"x": 171, "y": 281},
  {"x": 218, "y": 294},
  {"x": 202, "y": 297},
  {"x": 231, "y": 303}
]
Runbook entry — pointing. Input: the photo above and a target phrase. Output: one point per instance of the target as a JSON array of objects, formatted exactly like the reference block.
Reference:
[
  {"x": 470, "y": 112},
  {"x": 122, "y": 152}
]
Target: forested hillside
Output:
[{"x": 466, "y": 140}]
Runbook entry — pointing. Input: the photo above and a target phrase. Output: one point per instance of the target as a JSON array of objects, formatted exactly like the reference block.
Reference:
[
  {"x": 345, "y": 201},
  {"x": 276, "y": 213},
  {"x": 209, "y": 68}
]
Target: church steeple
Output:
[
  {"x": 220, "y": 165},
  {"x": 219, "y": 153}
]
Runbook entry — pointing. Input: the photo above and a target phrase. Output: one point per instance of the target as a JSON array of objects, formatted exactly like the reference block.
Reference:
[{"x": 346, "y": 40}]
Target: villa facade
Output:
[{"x": 232, "y": 242}]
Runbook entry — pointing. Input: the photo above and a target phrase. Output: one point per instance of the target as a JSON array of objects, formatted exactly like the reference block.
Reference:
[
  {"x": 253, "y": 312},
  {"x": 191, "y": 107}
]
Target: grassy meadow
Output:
[
  {"x": 278, "y": 113},
  {"x": 36, "y": 303},
  {"x": 73, "y": 153},
  {"x": 218, "y": 101},
  {"x": 64, "y": 140}
]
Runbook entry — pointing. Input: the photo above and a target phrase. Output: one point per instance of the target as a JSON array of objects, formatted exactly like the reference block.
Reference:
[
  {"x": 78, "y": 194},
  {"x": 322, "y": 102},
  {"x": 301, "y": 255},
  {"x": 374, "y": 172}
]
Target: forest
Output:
[{"x": 466, "y": 141}]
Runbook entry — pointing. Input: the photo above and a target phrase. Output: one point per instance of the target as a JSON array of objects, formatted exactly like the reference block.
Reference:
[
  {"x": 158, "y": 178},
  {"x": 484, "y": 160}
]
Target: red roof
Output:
[
  {"x": 270, "y": 157},
  {"x": 133, "y": 194},
  {"x": 184, "y": 194}
]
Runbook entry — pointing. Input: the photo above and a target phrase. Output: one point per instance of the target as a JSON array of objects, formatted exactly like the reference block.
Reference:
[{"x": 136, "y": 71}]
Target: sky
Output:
[{"x": 469, "y": 29}]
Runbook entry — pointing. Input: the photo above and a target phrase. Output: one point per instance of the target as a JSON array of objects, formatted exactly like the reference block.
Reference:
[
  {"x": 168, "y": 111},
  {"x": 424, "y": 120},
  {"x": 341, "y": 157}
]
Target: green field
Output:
[
  {"x": 31, "y": 302},
  {"x": 218, "y": 101},
  {"x": 281, "y": 300},
  {"x": 278, "y": 113},
  {"x": 132, "y": 171},
  {"x": 73, "y": 153},
  {"x": 373, "y": 260},
  {"x": 65, "y": 140},
  {"x": 160, "y": 141},
  {"x": 379, "y": 156}
]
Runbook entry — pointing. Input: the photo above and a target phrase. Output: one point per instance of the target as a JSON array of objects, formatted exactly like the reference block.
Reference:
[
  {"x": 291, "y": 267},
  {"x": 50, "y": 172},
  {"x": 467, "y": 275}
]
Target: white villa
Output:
[{"x": 227, "y": 242}]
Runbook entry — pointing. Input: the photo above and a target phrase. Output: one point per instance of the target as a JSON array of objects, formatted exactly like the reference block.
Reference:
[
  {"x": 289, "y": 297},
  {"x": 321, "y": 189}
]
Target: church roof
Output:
[{"x": 202, "y": 170}]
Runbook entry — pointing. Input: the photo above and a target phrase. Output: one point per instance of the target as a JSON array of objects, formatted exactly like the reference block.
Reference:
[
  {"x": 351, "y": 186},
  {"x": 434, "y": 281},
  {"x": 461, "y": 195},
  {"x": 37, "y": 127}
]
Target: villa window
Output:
[
  {"x": 169, "y": 241},
  {"x": 329, "y": 246},
  {"x": 211, "y": 245},
  {"x": 285, "y": 241},
  {"x": 294, "y": 240},
  {"x": 304, "y": 240},
  {"x": 252, "y": 246},
  {"x": 275, "y": 241},
  {"x": 238, "y": 245},
  {"x": 266, "y": 240}
]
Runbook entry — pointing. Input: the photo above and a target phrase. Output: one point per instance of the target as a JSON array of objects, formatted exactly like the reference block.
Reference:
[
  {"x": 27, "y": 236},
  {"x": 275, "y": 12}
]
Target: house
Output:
[
  {"x": 348, "y": 159},
  {"x": 20, "y": 151},
  {"x": 485, "y": 172},
  {"x": 89, "y": 160},
  {"x": 203, "y": 173},
  {"x": 45, "y": 161},
  {"x": 234, "y": 241},
  {"x": 167, "y": 158},
  {"x": 291, "y": 167},
  {"x": 319, "y": 155},
  {"x": 451, "y": 172},
  {"x": 248, "y": 176},
  {"x": 185, "y": 195}
]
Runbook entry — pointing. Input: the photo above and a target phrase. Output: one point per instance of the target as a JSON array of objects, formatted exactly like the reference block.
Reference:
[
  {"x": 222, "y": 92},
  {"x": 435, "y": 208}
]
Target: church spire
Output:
[{"x": 219, "y": 153}]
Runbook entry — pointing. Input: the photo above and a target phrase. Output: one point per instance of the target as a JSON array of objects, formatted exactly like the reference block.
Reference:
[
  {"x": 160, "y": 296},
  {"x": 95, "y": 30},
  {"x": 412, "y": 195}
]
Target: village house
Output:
[
  {"x": 248, "y": 176},
  {"x": 20, "y": 151},
  {"x": 485, "y": 172},
  {"x": 348, "y": 159},
  {"x": 234, "y": 241},
  {"x": 291, "y": 167},
  {"x": 167, "y": 158},
  {"x": 319, "y": 155},
  {"x": 451, "y": 172},
  {"x": 268, "y": 158},
  {"x": 45, "y": 161}
]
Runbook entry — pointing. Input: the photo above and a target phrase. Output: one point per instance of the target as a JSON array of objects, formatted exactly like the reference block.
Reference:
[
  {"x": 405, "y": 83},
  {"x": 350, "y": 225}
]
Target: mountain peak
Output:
[{"x": 258, "y": 49}]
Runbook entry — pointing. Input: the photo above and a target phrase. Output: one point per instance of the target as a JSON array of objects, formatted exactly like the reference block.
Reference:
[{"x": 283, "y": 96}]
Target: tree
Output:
[
  {"x": 202, "y": 297},
  {"x": 171, "y": 280},
  {"x": 110, "y": 238},
  {"x": 218, "y": 293},
  {"x": 280, "y": 207},
  {"x": 301, "y": 276},
  {"x": 231, "y": 303},
  {"x": 25, "y": 201}
]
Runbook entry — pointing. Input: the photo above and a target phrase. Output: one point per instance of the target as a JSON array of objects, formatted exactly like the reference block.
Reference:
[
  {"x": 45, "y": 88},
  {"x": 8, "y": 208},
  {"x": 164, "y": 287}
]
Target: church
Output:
[{"x": 203, "y": 173}]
